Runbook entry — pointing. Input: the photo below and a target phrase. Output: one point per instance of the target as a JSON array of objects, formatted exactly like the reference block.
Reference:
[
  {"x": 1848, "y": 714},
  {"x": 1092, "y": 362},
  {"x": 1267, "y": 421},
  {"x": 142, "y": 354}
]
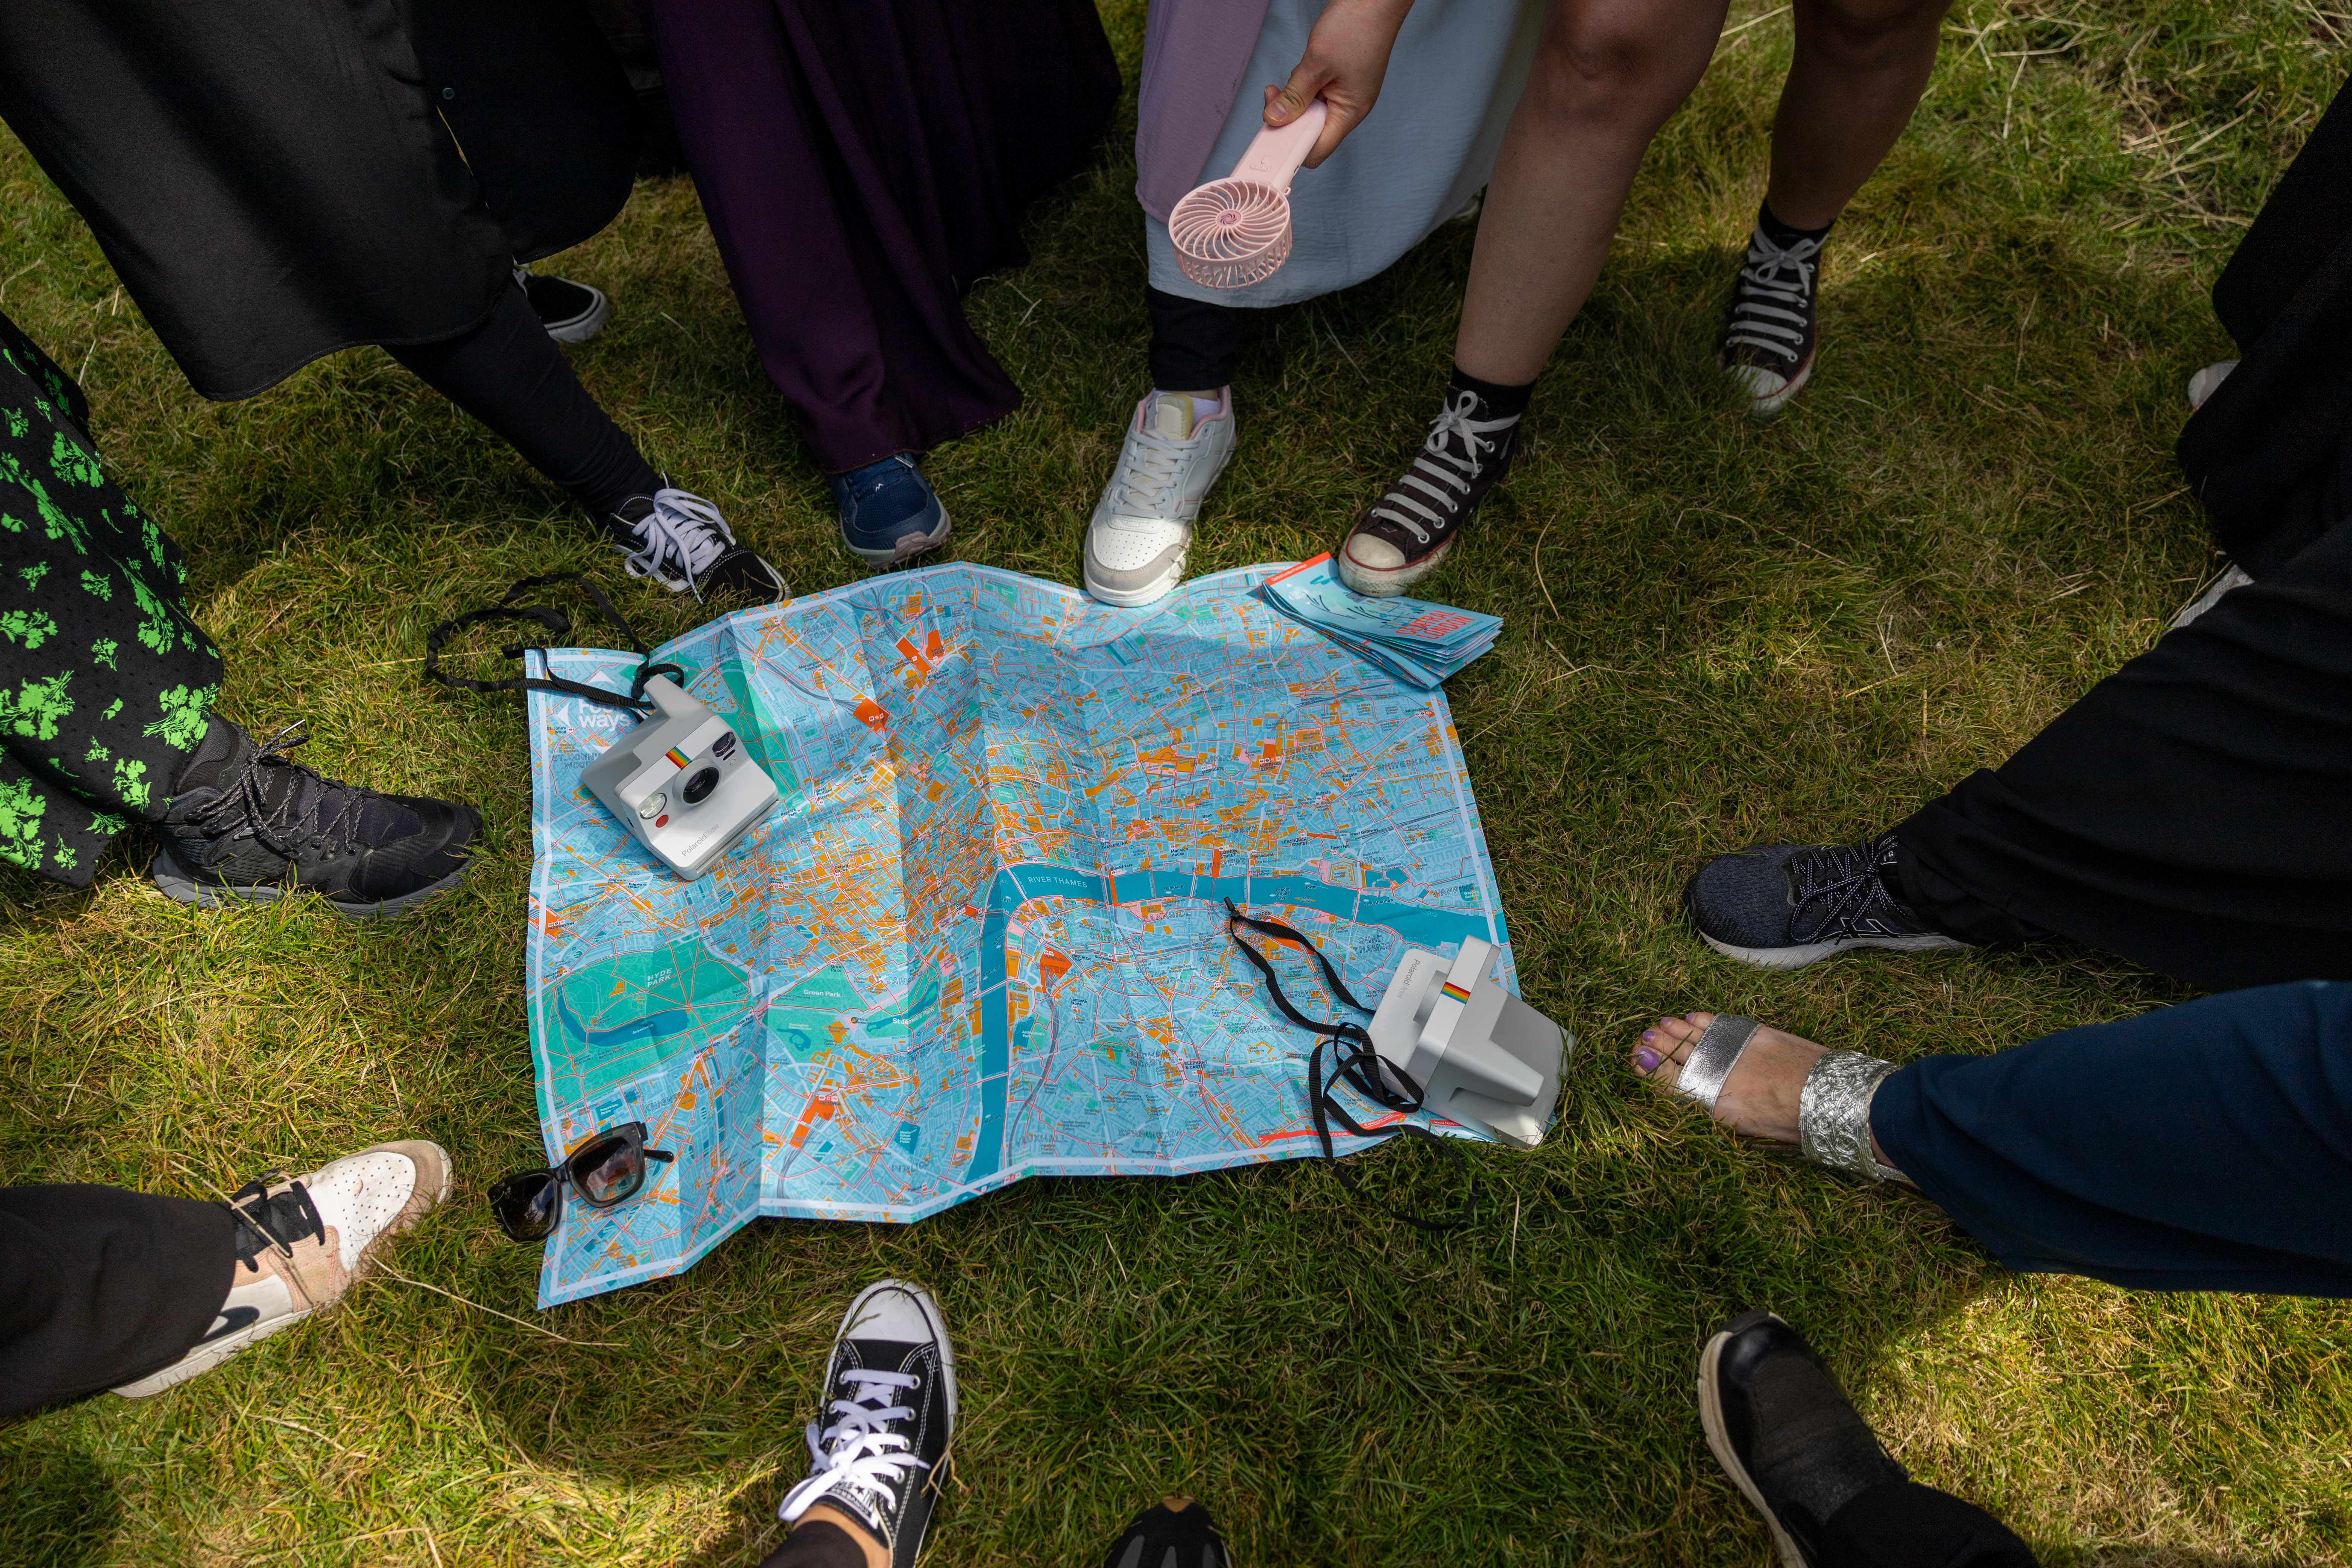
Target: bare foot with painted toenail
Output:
[{"x": 1766, "y": 1085}]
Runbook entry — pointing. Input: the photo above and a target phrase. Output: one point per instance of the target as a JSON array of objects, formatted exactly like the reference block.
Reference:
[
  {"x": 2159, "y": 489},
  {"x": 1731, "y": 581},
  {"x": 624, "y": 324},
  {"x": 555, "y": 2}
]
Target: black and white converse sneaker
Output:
[
  {"x": 1405, "y": 535},
  {"x": 878, "y": 1450},
  {"x": 571, "y": 312},
  {"x": 249, "y": 825},
  {"x": 678, "y": 540},
  {"x": 1768, "y": 343},
  {"x": 1783, "y": 906}
]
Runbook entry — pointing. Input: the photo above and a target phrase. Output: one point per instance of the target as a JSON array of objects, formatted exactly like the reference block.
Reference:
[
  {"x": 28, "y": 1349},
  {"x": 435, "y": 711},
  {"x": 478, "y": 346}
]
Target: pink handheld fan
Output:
[{"x": 1233, "y": 232}]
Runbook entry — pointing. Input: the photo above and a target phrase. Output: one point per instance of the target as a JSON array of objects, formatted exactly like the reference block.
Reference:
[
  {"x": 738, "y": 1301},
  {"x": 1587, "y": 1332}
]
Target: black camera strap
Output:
[
  {"x": 558, "y": 628},
  {"x": 1353, "y": 1062}
]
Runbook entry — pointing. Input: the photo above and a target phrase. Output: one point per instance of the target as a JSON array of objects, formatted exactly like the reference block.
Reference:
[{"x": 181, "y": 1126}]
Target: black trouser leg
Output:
[
  {"x": 1195, "y": 345},
  {"x": 2188, "y": 813},
  {"x": 510, "y": 374},
  {"x": 1902, "y": 1524},
  {"x": 99, "y": 1287}
]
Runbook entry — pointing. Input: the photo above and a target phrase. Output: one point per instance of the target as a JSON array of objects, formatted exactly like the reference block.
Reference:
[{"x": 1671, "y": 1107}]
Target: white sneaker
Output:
[
  {"x": 2202, "y": 384},
  {"x": 1143, "y": 523},
  {"x": 317, "y": 1234}
]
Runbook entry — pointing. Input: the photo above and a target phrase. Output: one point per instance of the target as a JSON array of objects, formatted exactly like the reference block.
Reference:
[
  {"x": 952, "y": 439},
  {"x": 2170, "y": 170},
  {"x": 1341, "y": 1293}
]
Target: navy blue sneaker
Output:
[
  {"x": 888, "y": 511},
  {"x": 1783, "y": 906}
]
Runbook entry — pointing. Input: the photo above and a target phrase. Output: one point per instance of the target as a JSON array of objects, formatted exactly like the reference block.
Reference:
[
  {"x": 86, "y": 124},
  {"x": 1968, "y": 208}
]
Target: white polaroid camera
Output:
[
  {"x": 681, "y": 782},
  {"x": 1482, "y": 1056}
]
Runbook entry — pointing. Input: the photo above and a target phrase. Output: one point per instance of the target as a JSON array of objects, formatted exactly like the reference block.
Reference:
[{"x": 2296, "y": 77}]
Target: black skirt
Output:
[{"x": 277, "y": 179}]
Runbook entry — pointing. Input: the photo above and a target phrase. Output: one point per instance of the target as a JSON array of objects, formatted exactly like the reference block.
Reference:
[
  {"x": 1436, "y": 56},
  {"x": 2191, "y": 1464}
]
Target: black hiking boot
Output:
[{"x": 248, "y": 823}]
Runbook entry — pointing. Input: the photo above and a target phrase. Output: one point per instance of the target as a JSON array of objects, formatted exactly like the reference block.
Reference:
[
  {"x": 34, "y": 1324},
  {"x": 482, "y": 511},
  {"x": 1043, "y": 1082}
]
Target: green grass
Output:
[{"x": 1718, "y": 631}]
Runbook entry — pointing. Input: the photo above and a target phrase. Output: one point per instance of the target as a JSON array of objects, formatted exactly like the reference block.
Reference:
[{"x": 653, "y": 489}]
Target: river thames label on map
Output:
[{"x": 983, "y": 936}]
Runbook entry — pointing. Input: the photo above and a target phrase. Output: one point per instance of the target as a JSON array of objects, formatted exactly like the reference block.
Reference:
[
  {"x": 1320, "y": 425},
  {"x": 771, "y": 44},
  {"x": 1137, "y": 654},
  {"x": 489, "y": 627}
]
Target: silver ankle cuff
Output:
[{"x": 1834, "y": 1115}]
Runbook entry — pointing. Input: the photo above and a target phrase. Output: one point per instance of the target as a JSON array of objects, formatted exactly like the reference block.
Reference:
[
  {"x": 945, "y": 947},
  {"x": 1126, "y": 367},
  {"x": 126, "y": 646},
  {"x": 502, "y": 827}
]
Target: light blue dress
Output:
[{"x": 1426, "y": 149}]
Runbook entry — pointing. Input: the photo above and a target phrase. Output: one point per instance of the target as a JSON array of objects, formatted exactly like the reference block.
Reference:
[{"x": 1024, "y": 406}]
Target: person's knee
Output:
[
  {"x": 1865, "y": 32},
  {"x": 1619, "y": 68}
]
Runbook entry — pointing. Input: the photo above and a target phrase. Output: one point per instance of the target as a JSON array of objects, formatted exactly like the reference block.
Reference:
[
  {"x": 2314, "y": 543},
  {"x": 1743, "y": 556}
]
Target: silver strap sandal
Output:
[{"x": 1832, "y": 1113}]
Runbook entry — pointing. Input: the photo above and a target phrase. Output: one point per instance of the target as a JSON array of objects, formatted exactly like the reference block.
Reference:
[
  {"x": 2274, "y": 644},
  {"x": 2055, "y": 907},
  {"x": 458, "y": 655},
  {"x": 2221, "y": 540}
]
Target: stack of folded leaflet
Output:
[{"x": 1420, "y": 644}]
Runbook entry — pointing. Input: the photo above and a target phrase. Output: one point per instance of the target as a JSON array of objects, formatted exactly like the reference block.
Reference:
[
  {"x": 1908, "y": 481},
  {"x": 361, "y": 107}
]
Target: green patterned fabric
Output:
[{"x": 106, "y": 685}]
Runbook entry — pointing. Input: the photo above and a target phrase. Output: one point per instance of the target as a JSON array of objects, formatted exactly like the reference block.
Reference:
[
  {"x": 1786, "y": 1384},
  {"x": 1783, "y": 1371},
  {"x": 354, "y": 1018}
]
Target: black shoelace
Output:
[
  {"x": 274, "y": 1223},
  {"x": 308, "y": 807},
  {"x": 1842, "y": 882},
  {"x": 1773, "y": 305},
  {"x": 1353, "y": 1062}
]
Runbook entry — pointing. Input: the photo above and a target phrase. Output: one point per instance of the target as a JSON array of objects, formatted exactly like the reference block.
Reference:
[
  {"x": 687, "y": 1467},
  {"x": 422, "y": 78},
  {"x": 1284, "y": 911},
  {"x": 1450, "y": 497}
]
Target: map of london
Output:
[{"x": 983, "y": 934}]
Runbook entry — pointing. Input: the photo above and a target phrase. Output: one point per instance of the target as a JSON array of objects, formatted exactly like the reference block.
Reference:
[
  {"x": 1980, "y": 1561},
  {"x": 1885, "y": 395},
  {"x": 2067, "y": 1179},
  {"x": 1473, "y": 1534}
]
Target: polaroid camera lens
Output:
[{"x": 698, "y": 788}]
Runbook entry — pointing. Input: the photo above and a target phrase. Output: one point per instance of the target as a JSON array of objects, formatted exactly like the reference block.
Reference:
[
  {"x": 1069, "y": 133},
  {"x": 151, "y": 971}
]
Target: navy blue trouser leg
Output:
[{"x": 2204, "y": 1147}]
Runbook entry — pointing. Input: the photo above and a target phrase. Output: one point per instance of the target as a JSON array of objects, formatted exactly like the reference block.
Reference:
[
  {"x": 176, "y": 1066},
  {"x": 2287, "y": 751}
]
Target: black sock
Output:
[
  {"x": 1501, "y": 402},
  {"x": 223, "y": 743},
  {"x": 819, "y": 1543},
  {"x": 1781, "y": 234}
]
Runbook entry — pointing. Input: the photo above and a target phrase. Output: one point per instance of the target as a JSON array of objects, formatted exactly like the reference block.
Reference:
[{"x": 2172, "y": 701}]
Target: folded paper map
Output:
[
  {"x": 983, "y": 936},
  {"x": 1420, "y": 643}
]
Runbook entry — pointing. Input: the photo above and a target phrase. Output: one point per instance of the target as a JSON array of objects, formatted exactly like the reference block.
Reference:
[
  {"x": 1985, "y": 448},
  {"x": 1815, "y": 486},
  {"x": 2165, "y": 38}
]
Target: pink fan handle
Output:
[{"x": 1276, "y": 152}]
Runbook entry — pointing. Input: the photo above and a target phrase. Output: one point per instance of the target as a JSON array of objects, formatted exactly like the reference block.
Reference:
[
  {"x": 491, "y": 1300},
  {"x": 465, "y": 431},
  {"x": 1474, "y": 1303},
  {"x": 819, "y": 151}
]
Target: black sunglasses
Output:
[{"x": 606, "y": 1172}]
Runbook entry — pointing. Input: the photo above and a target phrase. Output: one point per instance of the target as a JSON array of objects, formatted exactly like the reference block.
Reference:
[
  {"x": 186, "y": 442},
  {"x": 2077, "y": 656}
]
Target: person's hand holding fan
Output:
[{"x": 1233, "y": 232}]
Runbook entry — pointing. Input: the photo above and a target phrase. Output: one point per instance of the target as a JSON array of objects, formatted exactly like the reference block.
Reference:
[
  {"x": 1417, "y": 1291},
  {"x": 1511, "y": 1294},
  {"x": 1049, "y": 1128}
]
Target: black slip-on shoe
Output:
[
  {"x": 249, "y": 825},
  {"x": 878, "y": 1449},
  {"x": 1783, "y": 1430},
  {"x": 1783, "y": 906},
  {"x": 571, "y": 312}
]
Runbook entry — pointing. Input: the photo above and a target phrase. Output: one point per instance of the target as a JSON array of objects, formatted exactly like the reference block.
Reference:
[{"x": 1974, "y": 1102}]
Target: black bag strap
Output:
[
  {"x": 1353, "y": 1062},
  {"x": 558, "y": 628}
]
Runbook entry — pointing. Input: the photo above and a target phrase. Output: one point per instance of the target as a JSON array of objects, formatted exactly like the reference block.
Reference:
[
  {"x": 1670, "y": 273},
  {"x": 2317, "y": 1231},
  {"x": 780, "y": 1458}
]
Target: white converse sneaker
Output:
[
  {"x": 300, "y": 1243},
  {"x": 1143, "y": 523}
]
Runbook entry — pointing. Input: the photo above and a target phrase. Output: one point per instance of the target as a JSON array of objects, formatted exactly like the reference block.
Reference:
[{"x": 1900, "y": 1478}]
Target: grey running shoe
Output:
[
  {"x": 247, "y": 824},
  {"x": 1783, "y": 906}
]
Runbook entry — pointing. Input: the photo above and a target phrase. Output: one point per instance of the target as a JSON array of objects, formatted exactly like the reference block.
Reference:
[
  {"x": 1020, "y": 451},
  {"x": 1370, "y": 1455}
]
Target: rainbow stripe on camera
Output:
[
  {"x": 1457, "y": 992},
  {"x": 678, "y": 759}
]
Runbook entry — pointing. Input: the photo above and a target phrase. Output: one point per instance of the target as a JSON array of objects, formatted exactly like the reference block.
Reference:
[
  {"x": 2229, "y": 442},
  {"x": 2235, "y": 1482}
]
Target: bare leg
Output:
[
  {"x": 1607, "y": 74},
  {"x": 1859, "y": 67}
]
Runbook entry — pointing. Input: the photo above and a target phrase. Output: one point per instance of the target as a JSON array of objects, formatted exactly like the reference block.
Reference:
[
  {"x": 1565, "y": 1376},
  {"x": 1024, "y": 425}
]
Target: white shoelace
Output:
[
  {"x": 858, "y": 1450},
  {"x": 1440, "y": 463},
  {"x": 1149, "y": 467},
  {"x": 1783, "y": 274},
  {"x": 683, "y": 533}
]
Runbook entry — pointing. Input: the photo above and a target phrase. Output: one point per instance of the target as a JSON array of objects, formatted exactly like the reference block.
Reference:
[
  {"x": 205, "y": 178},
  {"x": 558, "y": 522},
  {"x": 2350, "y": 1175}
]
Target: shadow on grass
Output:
[{"x": 62, "y": 1509}]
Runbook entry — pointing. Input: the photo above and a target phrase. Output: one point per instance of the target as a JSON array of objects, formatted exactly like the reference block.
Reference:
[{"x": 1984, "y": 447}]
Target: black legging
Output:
[{"x": 507, "y": 373}]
